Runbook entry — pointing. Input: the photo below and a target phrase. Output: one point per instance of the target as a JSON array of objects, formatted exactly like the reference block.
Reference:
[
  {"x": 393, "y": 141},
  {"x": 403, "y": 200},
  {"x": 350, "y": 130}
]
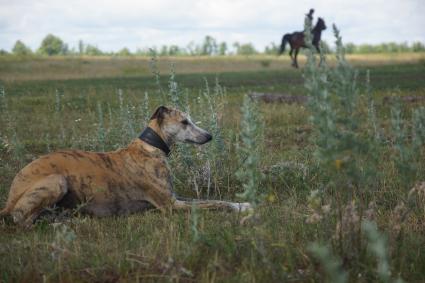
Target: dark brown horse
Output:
[{"x": 296, "y": 40}]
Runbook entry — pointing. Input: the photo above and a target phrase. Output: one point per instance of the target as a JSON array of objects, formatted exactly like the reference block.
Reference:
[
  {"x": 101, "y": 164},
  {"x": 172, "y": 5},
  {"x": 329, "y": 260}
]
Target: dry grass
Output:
[
  {"x": 63, "y": 68},
  {"x": 153, "y": 247}
]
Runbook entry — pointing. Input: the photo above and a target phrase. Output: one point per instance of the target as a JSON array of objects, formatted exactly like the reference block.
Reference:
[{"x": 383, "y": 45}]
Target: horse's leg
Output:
[
  {"x": 317, "y": 48},
  {"x": 320, "y": 55},
  {"x": 295, "y": 58},
  {"x": 291, "y": 54}
]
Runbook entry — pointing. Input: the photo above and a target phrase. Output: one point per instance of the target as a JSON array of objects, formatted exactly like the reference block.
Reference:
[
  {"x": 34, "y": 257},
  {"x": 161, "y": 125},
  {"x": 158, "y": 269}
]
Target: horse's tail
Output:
[{"x": 285, "y": 39}]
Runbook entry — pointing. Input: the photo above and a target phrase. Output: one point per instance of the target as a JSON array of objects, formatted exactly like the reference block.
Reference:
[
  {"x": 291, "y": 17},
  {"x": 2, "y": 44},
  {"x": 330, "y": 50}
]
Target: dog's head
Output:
[{"x": 176, "y": 126}]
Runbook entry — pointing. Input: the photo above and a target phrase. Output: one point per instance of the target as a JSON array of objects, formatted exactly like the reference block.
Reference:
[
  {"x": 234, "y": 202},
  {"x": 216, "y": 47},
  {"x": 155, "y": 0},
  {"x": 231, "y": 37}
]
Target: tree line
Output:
[{"x": 53, "y": 45}]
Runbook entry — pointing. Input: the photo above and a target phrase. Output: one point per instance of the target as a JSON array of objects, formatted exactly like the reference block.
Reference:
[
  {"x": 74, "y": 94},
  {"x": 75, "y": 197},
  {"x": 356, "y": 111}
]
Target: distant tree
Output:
[
  {"x": 124, "y": 52},
  {"x": 418, "y": 46},
  {"x": 142, "y": 51},
  {"x": 21, "y": 49},
  {"x": 92, "y": 50},
  {"x": 404, "y": 47},
  {"x": 81, "y": 47},
  {"x": 365, "y": 48},
  {"x": 236, "y": 46},
  {"x": 271, "y": 49},
  {"x": 3, "y": 52},
  {"x": 325, "y": 47},
  {"x": 153, "y": 51},
  {"x": 53, "y": 45},
  {"x": 72, "y": 51},
  {"x": 173, "y": 50},
  {"x": 164, "y": 51},
  {"x": 222, "y": 48},
  {"x": 350, "y": 48},
  {"x": 391, "y": 47},
  {"x": 385, "y": 47},
  {"x": 192, "y": 48},
  {"x": 245, "y": 49},
  {"x": 209, "y": 46}
]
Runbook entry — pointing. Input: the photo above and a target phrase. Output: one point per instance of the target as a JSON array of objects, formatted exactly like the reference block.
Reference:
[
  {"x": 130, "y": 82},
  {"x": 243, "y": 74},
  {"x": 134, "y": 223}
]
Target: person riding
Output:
[{"x": 310, "y": 15}]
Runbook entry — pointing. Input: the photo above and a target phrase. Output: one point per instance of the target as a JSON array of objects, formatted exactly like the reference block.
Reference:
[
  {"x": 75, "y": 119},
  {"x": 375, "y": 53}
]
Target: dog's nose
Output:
[{"x": 209, "y": 137}]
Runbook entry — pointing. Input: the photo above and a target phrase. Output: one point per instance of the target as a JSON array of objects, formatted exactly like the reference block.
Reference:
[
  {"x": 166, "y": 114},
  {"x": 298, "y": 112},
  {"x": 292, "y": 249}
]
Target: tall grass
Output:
[
  {"x": 330, "y": 194},
  {"x": 350, "y": 148},
  {"x": 249, "y": 152}
]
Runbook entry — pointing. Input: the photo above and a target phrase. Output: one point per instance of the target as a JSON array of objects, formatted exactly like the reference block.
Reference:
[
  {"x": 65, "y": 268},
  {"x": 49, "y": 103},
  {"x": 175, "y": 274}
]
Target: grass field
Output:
[{"x": 309, "y": 226}]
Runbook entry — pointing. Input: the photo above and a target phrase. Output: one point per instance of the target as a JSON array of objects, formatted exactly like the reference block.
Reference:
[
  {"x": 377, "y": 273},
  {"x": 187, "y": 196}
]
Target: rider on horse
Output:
[
  {"x": 310, "y": 14},
  {"x": 296, "y": 39}
]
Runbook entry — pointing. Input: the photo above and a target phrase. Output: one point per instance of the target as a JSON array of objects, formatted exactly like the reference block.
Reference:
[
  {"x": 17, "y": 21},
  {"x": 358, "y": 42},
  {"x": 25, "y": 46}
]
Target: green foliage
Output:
[
  {"x": 39, "y": 116},
  {"x": 174, "y": 50},
  {"x": 325, "y": 47},
  {"x": 174, "y": 93},
  {"x": 3, "y": 101},
  {"x": 271, "y": 49},
  {"x": 249, "y": 152},
  {"x": 80, "y": 47},
  {"x": 194, "y": 223},
  {"x": 408, "y": 156},
  {"x": 52, "y": 45},
  {"x": 18, "y": 149},
  {"x": 418, "y": 128},
  {"x": 377, "y": 245},
  {"x": 209, "y": 46},
  {"x": 101, "y": 127},
  {"x": 386, "y": 47},
  {"x": 350, "y": 48},
  {"x": 418, "y": 47},
  {"x": 124, "y": 52},
  {"x": 21, "y": 49},
  {"x": 349, "y": 144},
  {"x": 342, "y": 149},
  {"x": 332, "y": 266},
  {"x": 244, "y": 49},
  {"x": 222, "y": 48},
  {"x": 92, "y": 50}
]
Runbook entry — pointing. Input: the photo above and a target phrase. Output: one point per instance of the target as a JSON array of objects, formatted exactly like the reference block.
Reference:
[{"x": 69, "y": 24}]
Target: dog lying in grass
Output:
[{"x": 125, "y": 181}]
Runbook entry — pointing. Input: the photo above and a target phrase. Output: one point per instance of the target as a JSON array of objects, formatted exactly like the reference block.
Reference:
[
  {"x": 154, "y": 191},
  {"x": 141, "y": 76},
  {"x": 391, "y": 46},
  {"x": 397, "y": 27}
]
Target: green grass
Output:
[{"x": 270, "y": 247}]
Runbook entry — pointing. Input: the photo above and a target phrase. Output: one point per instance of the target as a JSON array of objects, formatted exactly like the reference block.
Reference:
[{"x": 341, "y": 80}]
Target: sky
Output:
[{"x": 112, "y": 25}]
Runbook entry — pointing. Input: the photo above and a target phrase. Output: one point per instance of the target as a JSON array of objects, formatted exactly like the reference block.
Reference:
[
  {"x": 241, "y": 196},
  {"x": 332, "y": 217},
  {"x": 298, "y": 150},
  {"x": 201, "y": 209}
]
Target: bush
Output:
[
  {"x": 21, "y": 49},
  {"x": 53, "y": 45}
]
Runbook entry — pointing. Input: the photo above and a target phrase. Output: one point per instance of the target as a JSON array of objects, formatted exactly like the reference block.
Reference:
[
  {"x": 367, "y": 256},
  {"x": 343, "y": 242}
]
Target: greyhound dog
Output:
[{"x": 125, "y": 181}]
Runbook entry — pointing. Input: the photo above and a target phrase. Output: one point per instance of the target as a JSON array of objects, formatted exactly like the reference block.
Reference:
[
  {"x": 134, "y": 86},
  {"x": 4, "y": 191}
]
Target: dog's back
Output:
[{"x": 98, "y": 177}]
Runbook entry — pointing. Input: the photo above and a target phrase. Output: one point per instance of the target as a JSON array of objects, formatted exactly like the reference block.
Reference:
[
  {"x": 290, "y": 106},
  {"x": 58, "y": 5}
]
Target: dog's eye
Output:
[{"x": 185, "y": 122}]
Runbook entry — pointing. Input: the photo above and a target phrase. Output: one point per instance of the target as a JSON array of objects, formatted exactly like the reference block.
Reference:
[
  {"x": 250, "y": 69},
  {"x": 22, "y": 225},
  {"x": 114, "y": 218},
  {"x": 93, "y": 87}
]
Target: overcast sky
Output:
[{"x": 112, "y": 25}]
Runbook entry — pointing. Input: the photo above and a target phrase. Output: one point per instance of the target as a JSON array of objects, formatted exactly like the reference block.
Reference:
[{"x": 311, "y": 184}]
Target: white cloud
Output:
[{"x": 112, "y": 25}]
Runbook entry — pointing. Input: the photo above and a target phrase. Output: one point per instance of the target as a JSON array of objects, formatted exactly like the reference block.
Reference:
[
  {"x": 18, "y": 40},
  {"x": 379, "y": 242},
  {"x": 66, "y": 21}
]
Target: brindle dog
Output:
[{"x": 125, "y": 181}]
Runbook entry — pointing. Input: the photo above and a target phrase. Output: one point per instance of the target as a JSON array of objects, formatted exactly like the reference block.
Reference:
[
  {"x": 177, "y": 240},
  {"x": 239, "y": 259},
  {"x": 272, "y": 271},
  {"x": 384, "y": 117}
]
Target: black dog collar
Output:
[{"x": 149, "y": 136}]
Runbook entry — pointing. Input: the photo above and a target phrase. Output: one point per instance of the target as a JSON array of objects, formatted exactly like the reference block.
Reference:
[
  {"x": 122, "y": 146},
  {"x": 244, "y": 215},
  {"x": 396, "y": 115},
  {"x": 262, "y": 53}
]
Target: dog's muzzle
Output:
[
  {"x": 208, "y": 138},
  {"x": 205, "y": 138}
]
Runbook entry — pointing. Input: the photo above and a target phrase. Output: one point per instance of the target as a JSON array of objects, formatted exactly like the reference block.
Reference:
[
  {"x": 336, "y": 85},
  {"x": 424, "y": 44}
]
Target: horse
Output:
[{"x": 296, "y": 40}]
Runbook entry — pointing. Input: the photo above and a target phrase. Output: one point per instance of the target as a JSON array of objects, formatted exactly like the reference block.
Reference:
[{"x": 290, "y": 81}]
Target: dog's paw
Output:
[{"x": 243, "y": 207}]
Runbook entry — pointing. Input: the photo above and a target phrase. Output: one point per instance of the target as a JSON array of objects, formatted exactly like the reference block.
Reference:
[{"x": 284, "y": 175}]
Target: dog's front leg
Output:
[{"x": 212, "y": 204}]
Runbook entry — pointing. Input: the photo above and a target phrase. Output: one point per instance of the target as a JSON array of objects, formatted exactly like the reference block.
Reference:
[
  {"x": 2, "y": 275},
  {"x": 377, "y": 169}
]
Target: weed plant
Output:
[
  {"x": 249, "y": 173},
  {"x": 350, "y": 148},
  {"x": 314, "y": 182}
]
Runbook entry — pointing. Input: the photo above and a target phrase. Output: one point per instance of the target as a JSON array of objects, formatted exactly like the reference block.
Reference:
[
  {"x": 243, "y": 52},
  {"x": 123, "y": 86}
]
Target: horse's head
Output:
[{"x": 321, "y": 24}]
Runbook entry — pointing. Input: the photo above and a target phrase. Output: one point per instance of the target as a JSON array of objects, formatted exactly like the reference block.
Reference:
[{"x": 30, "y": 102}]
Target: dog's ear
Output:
[{"x": 159, "y": 113}]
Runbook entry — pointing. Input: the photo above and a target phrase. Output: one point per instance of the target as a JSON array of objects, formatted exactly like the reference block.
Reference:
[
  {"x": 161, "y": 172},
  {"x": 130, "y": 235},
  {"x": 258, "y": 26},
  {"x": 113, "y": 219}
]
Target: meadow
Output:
[{"x": 336, "y": 182}]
